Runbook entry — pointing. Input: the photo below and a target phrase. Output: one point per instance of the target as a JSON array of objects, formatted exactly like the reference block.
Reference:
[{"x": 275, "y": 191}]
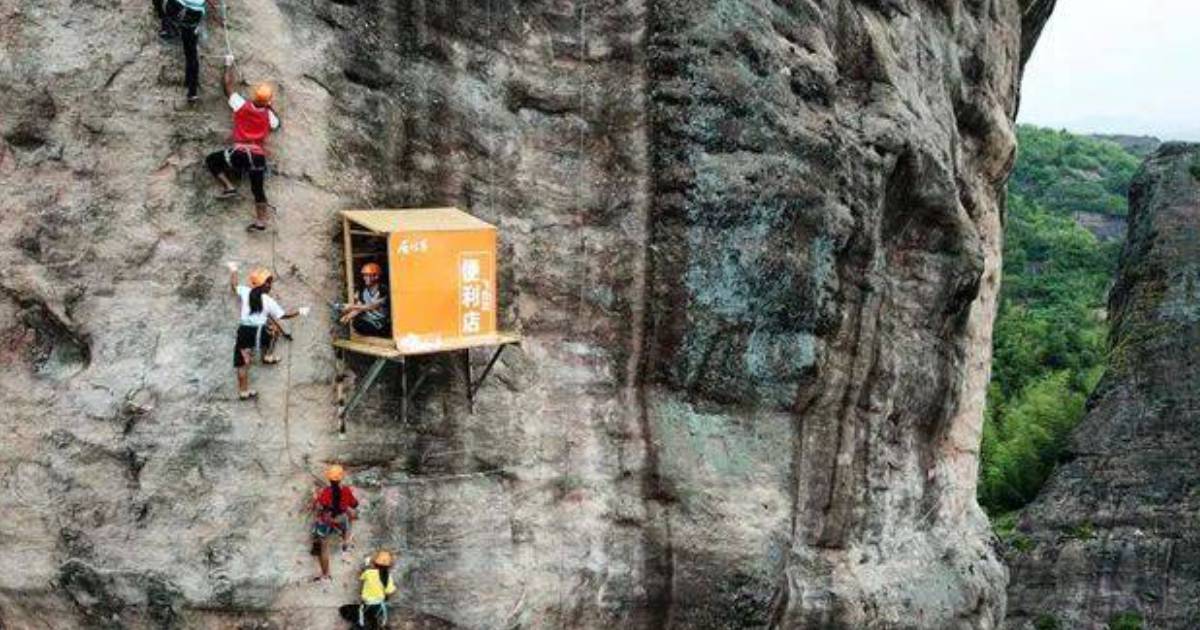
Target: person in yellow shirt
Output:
[{"x": 377, "y": 584}]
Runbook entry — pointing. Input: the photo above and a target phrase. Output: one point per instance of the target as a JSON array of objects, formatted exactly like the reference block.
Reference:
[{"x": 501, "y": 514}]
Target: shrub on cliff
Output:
[{"x": 1020, "y": 452}]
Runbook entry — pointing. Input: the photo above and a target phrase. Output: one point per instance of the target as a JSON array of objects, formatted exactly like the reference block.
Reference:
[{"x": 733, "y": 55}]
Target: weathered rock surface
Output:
[
  {"x": 753, "y": 248},
  {"x": 1117, "y": 529}
]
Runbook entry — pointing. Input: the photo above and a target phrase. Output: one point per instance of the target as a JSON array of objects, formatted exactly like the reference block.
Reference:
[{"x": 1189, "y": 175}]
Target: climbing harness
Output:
[
  {"x": 381, "y": 617},
  {"x": 242, "y": 148}
]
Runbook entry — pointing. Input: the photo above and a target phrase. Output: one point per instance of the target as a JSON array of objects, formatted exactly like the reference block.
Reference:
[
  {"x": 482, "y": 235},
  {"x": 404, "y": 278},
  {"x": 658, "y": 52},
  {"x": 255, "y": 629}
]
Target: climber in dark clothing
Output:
[
  {"x": 166, "y": 30},
  {"x": 185, "y": 18}
]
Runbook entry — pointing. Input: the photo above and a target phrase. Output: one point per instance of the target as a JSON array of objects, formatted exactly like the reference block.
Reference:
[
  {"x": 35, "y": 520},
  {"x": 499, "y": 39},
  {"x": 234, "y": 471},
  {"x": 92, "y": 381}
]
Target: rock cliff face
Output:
[
  {"x": 1115, "y": 530},
  {"x": 752, "y": 246}
]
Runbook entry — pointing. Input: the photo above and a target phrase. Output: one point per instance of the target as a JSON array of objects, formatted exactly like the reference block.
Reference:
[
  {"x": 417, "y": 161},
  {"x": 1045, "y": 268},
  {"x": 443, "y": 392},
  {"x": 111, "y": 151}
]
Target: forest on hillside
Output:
[{"x": 1051, "y": 329}]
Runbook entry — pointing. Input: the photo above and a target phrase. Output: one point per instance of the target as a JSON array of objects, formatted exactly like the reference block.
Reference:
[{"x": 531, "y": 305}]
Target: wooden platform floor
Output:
[{"x": 448, "y": 344}]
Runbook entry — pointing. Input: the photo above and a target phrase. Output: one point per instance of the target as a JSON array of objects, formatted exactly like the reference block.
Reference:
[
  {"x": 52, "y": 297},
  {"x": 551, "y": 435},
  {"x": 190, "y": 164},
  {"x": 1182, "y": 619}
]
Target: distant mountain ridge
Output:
[
  {"x": 1070, "y": 173},
  {"x": 1141, "y": 146}
]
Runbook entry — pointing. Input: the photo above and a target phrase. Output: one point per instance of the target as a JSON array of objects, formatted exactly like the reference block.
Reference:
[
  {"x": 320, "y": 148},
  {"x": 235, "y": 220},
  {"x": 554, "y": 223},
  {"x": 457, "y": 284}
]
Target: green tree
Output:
[
  {"x": 1050, "y": 334},
  {"x": 1069, "y": 173},
  {"x": 1020, "y": 452}
]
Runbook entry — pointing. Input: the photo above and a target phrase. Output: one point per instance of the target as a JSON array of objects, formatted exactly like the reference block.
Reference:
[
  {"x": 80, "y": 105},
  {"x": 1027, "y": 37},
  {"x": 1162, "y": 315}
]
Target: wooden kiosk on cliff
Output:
[{"x": 439, "y": 265}]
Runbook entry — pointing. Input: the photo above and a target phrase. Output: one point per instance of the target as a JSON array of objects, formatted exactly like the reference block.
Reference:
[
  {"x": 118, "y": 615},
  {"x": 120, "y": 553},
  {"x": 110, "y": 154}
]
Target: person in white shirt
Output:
[{"x": 256, "y": 310}]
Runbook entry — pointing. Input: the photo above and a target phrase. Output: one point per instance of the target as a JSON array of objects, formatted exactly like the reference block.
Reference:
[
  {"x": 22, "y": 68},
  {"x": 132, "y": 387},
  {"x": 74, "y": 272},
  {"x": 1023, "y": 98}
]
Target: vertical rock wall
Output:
[
  {"x": 1115, "y": 530},
  {"x": 752, "y": 246}
]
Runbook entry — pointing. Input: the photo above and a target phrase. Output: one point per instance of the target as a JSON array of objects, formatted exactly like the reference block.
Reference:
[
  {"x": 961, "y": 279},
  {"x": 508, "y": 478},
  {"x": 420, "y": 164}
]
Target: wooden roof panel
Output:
[{"x": 416, "y": 220}]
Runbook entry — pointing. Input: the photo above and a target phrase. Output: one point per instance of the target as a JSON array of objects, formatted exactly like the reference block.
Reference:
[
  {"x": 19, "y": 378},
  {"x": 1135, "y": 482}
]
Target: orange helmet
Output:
[
  {"x": 335, "y": 473},
  {"x": 263, "y": 93},
  {"x": 372, "y": 269},
  {"x": 259, "y": 277},
  {"x": 383, "y": 559}
]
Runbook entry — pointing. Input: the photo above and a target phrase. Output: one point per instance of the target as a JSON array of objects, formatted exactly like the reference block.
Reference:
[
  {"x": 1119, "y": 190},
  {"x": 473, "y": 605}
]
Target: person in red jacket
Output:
[
  {"x": 333, "y": 509},
  {"x": 253, "y": 121}
]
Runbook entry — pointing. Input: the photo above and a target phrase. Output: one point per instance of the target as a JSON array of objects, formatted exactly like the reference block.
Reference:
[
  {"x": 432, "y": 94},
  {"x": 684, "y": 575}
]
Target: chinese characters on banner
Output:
[
  {"x": 413, "y": 246},
  {"x": 474, "y": 292}
]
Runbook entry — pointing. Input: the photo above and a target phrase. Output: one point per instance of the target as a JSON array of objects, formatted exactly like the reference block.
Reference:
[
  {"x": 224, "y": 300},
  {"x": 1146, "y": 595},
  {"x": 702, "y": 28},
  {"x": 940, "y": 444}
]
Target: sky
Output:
[{"x": 1117, "y": 66}]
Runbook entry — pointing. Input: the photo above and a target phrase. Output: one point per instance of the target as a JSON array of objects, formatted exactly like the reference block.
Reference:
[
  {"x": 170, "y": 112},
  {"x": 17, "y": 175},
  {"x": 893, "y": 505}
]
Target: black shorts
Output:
[
  {"x": 248, "y": 338},
  {"x": 240, "y": 162},
  {"x": 374, "y": 329}
]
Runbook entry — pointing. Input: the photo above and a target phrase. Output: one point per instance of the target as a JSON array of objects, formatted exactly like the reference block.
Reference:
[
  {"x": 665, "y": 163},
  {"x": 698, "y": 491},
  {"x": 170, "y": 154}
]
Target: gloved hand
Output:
[
  {"x": 228, "y": 60},
  {"x": 233, "y": 266},
  {"x": 304, "y": 311}
]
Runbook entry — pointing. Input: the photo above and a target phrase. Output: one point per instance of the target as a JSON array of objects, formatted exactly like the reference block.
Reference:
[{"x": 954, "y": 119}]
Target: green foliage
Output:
[
  {"x": 1069, "y": 173},
  {"x": 1047, "y": 622},
  {"x": 1128, "y": 620},
  {"x": 1005, "y": 527},
  {"x": 1020, "y": 452},
  {"x": 1194, "y": 168},
  {"x": 1051, "y": 334},
  {"x": 1056, "y": 276},
  {"x": 1083, "y": 531},
  {"x": 1049, "y": 349}
]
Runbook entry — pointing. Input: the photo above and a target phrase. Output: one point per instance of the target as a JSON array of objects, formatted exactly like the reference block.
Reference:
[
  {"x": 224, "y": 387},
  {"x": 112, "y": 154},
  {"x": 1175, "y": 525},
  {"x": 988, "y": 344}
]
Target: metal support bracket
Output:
[
  {"x": 372, "y": 374},
  {"x": 465, "y": 355},
  {"x": 473, "y": 387},
  {"x": 411, "y": 392},
  {"x": 407, "y": 393}
]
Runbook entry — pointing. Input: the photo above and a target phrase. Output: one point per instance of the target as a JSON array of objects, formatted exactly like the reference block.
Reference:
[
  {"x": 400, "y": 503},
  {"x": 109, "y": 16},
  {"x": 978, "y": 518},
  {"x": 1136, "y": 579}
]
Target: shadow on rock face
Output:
[
  {"x": 99, "y": 597},
  {"x": 47, "y": 341}
]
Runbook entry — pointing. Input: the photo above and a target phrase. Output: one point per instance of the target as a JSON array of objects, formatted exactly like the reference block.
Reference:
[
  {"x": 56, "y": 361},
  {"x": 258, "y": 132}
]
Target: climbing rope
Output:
[
  {"x": 287, "y": 391},
  {"x": 562, "y": 556},
  {"x": 225, "y": 29}
]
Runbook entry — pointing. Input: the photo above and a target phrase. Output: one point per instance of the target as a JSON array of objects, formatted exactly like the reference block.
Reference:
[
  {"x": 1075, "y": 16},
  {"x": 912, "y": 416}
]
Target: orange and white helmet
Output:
[
  {"x": 335, "y": 473},
  {"x": 259, "y": 277},
  {"x": 263, "y": 93}
]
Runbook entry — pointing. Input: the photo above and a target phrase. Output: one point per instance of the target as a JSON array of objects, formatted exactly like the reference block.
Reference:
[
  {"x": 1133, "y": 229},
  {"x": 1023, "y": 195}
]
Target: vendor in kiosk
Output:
[{"x": 369, "y": 314}]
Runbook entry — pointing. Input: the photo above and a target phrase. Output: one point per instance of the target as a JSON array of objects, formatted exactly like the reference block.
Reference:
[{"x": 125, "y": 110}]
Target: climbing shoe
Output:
[{"x": 228, "y": 193}]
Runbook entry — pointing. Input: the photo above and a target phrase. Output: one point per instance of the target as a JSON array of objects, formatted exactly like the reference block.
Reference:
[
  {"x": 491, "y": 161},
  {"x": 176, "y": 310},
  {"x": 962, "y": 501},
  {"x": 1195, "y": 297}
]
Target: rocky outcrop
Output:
[
  {"x": 752, "y": 246},
  {"x": 1115, "y": 531}
]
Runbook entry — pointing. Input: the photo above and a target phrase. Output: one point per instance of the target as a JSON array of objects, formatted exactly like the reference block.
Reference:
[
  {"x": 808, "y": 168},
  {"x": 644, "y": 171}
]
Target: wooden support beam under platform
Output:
[{"x": 384, "y": 354}]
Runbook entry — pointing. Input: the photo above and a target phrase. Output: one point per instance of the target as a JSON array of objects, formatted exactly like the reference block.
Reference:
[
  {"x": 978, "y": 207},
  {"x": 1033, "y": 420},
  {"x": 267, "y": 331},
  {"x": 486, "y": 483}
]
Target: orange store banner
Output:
[{"x": 443, "y": 283}]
